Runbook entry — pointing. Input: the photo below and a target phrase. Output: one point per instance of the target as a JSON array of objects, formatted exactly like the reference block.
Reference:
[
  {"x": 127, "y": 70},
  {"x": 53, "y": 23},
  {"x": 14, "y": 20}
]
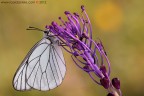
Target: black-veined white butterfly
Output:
[{"x": 43, "y": 68}]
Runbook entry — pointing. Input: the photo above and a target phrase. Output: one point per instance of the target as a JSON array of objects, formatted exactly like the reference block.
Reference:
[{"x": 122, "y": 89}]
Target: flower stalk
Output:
[{"x": 88, "y": 55}]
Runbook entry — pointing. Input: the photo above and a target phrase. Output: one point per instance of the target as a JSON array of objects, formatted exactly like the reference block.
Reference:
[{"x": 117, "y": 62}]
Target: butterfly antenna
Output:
[{"x": 34, "y": 28}]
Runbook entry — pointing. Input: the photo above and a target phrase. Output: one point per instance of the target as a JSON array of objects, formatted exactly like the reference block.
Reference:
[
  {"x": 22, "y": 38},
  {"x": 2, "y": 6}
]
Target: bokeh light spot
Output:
[{"x": 108, "y": 16}]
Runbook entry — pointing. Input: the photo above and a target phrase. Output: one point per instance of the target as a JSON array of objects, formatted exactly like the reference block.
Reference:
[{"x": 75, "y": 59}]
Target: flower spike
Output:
[{"x": 76, "y": 34}]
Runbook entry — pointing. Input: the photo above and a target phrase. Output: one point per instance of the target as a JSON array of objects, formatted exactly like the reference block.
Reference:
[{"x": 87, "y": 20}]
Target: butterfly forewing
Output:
[
  {"x": 42, "y": 69},
  {"x": 19, "y": 82}
]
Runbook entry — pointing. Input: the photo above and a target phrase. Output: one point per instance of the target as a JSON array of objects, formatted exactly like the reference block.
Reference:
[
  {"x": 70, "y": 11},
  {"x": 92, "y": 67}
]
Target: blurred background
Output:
[{"x": 118, "y": 23}]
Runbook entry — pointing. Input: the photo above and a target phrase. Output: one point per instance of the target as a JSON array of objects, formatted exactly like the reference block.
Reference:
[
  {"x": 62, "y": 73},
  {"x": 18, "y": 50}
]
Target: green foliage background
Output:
[{"x": 123, "y": 42}]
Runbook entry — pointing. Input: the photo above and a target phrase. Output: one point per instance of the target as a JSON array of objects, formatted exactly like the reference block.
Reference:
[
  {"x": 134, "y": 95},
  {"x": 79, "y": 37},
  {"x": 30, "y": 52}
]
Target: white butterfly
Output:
[{"x": 43, "y": 68}]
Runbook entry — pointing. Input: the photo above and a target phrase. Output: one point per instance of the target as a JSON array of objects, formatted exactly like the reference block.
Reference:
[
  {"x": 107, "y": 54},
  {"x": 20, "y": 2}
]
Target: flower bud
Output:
[
  {"x": 110, "y": 94},
  {"x": 67, "y": 12},
  {"x": 82, "y": 7},
  {"x": 103, "y": 69},
  {"x": 116, "y": 83},
  {"x": 104, "y": 82}
]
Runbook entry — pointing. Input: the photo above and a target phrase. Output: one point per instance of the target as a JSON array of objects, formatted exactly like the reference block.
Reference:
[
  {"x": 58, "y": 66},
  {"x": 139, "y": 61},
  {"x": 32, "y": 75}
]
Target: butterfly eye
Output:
[{"x": 46, "y": 32}]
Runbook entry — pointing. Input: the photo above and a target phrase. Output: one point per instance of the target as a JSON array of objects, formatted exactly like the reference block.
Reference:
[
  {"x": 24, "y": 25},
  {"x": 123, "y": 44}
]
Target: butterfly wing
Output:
[{"x": 42, "y": 69}]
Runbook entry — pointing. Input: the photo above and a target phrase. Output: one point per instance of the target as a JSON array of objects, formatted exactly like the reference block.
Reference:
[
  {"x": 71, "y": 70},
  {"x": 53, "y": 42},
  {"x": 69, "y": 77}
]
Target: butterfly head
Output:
[
  {"x": 46, "y": 33},
  {"x": 50, "y": 36}
]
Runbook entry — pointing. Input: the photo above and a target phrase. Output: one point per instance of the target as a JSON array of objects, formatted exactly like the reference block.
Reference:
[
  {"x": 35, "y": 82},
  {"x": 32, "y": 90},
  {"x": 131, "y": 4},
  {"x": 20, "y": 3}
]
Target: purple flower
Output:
[{"x": 88, "y": 55}]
